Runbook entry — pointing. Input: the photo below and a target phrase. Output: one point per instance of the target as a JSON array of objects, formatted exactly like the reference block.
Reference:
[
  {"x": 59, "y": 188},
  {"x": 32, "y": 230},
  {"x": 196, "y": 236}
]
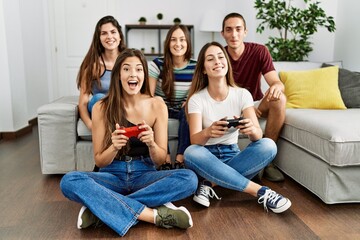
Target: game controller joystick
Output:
[
  {"x": 234, "y": 122},
  {"x": 133, "y": 131}
]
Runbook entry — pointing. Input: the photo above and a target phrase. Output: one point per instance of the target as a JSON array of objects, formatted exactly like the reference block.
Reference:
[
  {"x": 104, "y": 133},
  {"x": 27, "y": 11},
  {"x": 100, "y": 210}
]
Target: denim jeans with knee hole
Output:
[
  {"x": 226, "y": 165},
  {"x": 118, "y": 193}
]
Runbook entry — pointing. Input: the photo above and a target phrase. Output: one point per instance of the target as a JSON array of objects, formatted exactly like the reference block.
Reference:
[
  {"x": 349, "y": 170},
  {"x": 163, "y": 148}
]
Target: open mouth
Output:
[{"x": 132, "y": 84}]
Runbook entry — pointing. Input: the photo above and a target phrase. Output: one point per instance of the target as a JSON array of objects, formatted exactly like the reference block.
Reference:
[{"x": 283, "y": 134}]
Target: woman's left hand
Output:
[
  {"x": 146, "y": 136},
  {"x": 246, "y": 127}
]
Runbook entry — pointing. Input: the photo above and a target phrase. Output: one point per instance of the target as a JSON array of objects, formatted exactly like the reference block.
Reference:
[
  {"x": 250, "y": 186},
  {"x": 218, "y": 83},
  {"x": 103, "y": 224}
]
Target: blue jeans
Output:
[
  {"x": 183, "y": 131},
  {"x": 118, "y": 193},
  {"x": 95, "y": 98},
  {"x": 226, "y": 165}
]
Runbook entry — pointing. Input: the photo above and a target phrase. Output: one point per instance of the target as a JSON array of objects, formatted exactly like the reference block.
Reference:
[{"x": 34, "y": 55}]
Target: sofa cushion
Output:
[
  {"x": 349, "y": 85},
  {"x": 83, "y": 132},
  {"x": 173, "y": 126},
  {"x": 316, "y": 88},
  {"x": 332, "y": 135}
]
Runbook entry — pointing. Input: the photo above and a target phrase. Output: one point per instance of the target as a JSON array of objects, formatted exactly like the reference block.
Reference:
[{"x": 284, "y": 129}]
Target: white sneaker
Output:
[
  {"x": 86, "y": 218},
  {"x": 203, "y": 193}
]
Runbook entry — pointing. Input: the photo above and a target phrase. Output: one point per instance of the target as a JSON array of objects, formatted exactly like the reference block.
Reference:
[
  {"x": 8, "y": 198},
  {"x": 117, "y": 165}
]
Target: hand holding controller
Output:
[
  {"x": 133, "y": 131},
  {"x": 234, "y": 122}
]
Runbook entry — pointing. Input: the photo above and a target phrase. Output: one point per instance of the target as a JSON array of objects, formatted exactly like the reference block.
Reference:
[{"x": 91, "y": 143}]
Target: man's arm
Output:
[{"x": 276, "y": 87}]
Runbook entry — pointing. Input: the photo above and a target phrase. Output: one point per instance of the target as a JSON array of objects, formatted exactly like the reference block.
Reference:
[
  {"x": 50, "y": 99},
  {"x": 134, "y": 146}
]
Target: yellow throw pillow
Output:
[{"x": 317, "y": 88}]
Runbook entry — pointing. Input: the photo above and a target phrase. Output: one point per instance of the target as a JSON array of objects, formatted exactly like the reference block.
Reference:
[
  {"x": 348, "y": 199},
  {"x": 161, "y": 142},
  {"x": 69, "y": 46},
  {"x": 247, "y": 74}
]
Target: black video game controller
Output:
[{"x": 234, "y": 122}]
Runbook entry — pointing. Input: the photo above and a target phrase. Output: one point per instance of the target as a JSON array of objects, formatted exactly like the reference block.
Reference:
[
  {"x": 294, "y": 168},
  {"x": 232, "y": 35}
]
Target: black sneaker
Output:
[
  {"x": 276, "y": 202},
  {"x": 169, "y": 216},
  {"x": 203, "y": 193},
  {"x": 178, "y": 165},
  {"x": 165, "y": 166},
  {"x": 86, "y": 219}
]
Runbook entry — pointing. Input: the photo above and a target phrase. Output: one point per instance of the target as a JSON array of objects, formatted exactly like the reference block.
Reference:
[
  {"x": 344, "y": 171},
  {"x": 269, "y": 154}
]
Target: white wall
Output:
[
  {"x": 27, "y": 66},
  {"x": 35, "y": 54},
  {"x": 16, "y": 114},
  {"x": 23, "y": 62},
  {"x": 347, "y": 41},
  {"x": 6, "y": 117},
  {"x": 189, "y": 11},
  {"x": 323, "y": 47}
]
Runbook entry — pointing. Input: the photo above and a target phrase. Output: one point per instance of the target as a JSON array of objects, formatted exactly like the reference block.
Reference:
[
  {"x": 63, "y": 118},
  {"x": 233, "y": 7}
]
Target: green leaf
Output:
[{"x": 295, "y": 26}]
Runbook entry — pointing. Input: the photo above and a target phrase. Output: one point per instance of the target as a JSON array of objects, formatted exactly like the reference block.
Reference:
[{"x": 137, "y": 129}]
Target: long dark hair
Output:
[
  {"x": 113, "y": 103},
  {"x": 168, "y": 76},
  {"x": 90, "y": 69}
]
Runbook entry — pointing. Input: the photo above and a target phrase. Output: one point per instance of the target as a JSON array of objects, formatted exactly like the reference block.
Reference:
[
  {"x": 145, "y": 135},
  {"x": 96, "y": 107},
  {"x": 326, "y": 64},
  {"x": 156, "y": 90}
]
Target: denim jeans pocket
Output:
[{"x": 147, "y": 161}]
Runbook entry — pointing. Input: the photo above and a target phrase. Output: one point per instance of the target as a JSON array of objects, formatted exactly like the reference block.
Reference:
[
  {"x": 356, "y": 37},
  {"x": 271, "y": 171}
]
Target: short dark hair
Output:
[{"x": 233, "y": 15}]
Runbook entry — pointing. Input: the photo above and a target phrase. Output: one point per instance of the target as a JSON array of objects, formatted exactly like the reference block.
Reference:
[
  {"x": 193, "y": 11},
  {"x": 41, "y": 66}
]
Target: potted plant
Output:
[
  {"x": 177, "y": 20},
  {"x": 142, "y": 20},
  {"x": 159, "y": 16},
  {"x": 295, "y": 26}
]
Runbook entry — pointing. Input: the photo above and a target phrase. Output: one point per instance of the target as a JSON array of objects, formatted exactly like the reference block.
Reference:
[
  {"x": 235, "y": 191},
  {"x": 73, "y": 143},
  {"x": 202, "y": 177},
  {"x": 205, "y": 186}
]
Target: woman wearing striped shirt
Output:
[{"x": 170, "y": 78}]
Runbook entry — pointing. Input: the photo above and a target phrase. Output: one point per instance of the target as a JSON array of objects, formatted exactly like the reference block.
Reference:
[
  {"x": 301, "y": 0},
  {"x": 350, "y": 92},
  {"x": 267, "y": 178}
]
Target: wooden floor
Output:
[{"x": 33, "y": 207}]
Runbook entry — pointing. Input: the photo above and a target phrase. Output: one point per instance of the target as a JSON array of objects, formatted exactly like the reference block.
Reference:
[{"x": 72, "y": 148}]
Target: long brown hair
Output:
[
  {"x": 113, "y": 104},
  {"x": 90, "y": 69},
  {"x": 200, "y": 79},
  {"x": 168, "y": 76}
]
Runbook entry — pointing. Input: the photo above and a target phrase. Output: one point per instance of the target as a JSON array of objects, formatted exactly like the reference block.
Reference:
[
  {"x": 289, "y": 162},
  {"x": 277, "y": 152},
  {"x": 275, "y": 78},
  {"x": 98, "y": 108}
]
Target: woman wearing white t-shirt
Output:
[{"x": 214, "y": 154}]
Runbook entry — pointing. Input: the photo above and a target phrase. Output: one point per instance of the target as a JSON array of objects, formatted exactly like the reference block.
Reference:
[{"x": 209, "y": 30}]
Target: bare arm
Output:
[
  {"x": 83, "y": 110},
  {"x": 276, "y": 87},
  {"x": 152, "y": 83},
  {"x": 104, "y": 158},
  {"x": 200, "y": 136},
  {"x": 250, "y": 126},
  {"x": 157, "y": 138}
]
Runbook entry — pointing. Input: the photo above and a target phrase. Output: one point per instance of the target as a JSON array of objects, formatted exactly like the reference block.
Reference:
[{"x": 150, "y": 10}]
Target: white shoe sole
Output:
[
  {"x": 283, "y": 208},
  {"x": 201, "y": 201},
  {"x": 79, "y": 221},
  {"x": 172, "y": 206}
]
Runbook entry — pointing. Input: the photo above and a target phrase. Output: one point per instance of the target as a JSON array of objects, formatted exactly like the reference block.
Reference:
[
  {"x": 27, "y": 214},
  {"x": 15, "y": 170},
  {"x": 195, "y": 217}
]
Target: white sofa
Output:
[{"x": 320, "y": 149}]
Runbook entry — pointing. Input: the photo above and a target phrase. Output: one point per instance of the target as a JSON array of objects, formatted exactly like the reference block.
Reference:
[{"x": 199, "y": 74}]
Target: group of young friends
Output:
[{"x": 119, "y": 88}]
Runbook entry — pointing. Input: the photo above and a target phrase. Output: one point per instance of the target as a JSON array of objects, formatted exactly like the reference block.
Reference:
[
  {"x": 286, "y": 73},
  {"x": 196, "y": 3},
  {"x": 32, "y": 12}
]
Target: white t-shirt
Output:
[{"x": 211, "y": 110}]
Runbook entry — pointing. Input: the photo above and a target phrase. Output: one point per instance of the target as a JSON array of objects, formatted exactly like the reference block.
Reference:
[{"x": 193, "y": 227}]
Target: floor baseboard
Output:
[{"x": 19, "y": 133}]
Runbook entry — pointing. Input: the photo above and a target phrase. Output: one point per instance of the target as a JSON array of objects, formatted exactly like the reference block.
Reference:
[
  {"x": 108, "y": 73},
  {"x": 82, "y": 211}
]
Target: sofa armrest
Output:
[{"x": 57, "y": 123}]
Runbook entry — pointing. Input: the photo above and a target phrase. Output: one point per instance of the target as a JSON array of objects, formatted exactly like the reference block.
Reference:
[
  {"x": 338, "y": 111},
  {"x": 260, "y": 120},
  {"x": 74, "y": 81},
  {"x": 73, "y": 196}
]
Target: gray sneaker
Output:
[
  {"x": 203, "y": 193},
  {"x": 86, "y": 218},
  {"x": 170, "y": 216}
]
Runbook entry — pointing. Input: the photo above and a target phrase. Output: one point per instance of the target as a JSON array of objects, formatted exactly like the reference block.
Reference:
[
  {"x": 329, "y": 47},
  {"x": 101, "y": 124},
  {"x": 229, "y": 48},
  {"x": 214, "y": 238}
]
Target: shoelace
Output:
[
  {"x": 167, "y": 221},
  {"x": 98, "y": 223},
  {"x": 269, "y": 196},
  {"x": 208, "y": 191}
]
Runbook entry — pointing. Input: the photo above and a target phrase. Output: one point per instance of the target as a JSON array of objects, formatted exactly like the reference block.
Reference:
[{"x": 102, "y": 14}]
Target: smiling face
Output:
[
  {"x": 178, "y": 44},
  {"x": 215, "y": 64},
  {"x": 109, "y": 36},
  {"x": 132, "y": 75},
  {"x": 234, "y": 32}
]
